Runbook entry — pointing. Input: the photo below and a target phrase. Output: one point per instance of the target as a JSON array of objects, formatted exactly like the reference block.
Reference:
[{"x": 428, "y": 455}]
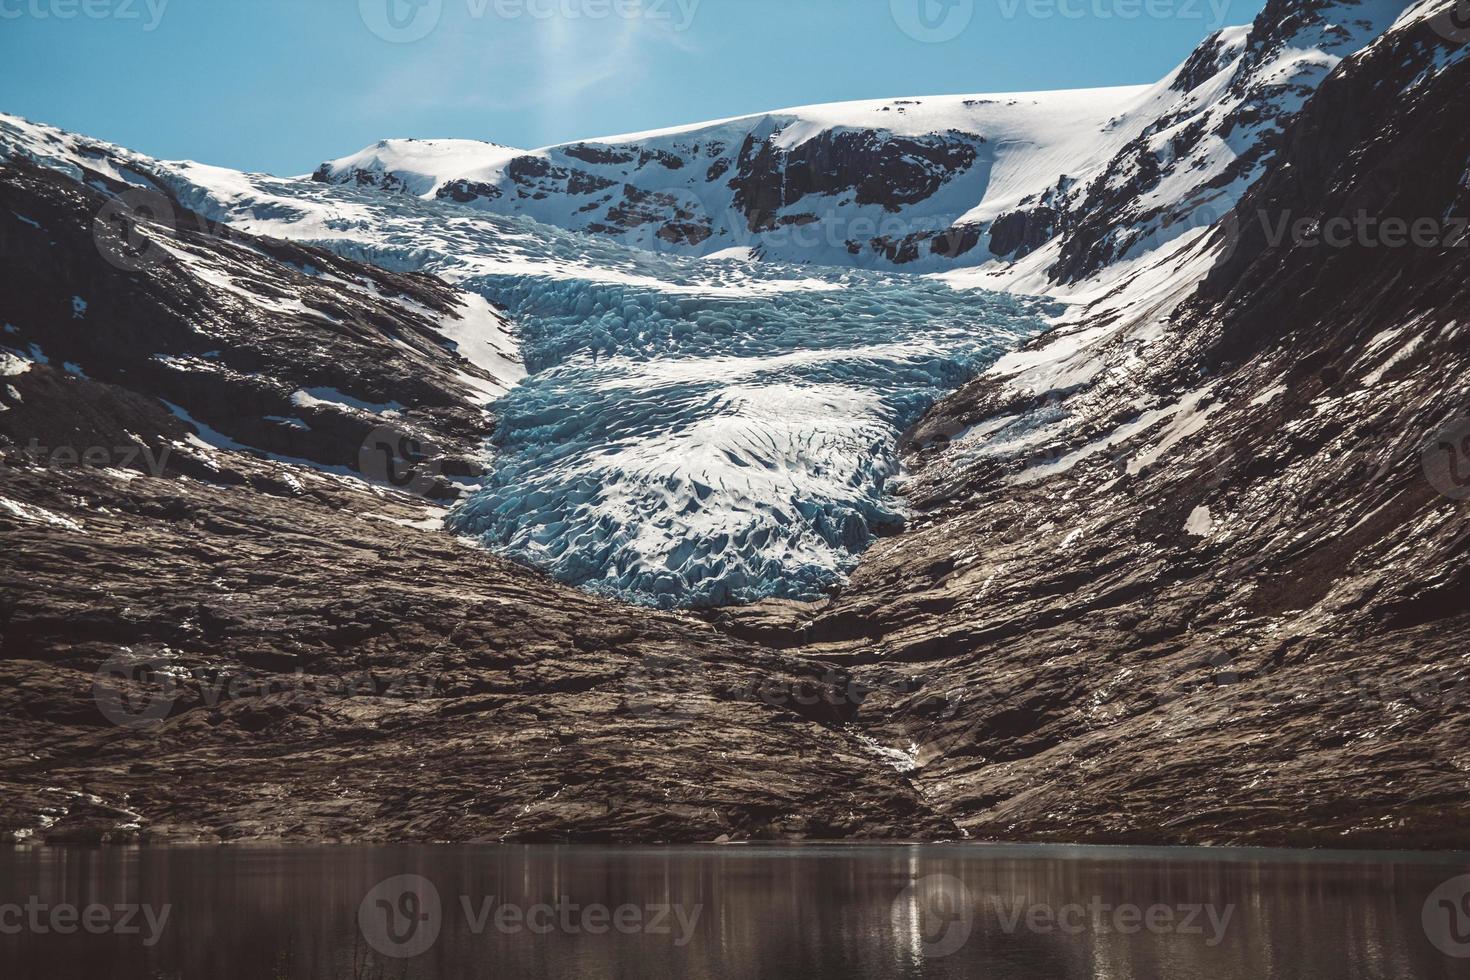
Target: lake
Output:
[{"x": 810, "y": 912}]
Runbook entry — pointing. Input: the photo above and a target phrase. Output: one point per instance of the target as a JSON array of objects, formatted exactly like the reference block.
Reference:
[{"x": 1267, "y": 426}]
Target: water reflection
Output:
[{"x": 803, "y": 912}]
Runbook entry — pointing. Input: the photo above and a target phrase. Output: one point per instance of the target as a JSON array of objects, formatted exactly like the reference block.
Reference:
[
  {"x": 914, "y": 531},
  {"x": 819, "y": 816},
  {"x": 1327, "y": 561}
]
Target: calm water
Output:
[{"x": 772, "y": 912}]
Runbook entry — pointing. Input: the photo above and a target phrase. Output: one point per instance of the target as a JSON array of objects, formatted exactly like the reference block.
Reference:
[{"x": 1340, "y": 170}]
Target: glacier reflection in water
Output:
[
  {"x": 702, "y": 446},
  {"x": 815, "y": 912}
]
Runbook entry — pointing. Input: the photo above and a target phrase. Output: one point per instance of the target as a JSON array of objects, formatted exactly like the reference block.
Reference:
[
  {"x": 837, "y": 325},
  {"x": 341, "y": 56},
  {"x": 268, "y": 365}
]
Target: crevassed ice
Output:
[
  {"x": 680, "y": 450},
  {"x": 692, "y": 432}
]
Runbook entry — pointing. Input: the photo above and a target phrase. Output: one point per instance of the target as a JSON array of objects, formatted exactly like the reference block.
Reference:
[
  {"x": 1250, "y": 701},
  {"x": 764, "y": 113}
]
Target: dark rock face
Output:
[
  {"x": 956, "y": 241},
  {"x": 465, "y": 191},
  {"x": 1018, "y": 233},
  {"x": 1220, "y": 594},
  {"x": 877, "y": 168},
  {"x": 1202, "y": 65},
  {"x": 361, "y": 178},
  {"x": 339, "y": 676},
  {"x": 236, "y": 358}
]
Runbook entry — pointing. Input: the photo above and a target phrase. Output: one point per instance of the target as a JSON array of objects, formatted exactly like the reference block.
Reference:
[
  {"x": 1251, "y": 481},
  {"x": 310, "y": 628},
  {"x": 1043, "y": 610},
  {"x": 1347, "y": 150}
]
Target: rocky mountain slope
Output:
[
  {"x": 1189, "y": 568},
  {"x": 1194, "y": 571}
]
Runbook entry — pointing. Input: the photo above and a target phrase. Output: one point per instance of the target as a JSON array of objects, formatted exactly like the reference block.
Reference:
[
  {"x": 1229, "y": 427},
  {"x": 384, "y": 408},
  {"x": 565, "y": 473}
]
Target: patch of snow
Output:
[
  {"x": 32, "y": 514},
  {"x": 482, "y": 337},
  {"x": 1200, "y": 522},
  {"x": 433, "y": 519},
  {"x": 13, "y": 364},
  {"x": 334, "y": 399},
  {"x": 1268, "y": 396}
]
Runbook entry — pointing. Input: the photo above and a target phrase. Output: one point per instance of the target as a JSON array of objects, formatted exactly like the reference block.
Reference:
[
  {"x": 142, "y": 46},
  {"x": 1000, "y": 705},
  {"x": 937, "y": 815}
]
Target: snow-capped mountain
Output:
[
  {"x": 1085, "y": 179},
  {"x": 1186, "y": 568},
  {"x": 845, "y": 184}
]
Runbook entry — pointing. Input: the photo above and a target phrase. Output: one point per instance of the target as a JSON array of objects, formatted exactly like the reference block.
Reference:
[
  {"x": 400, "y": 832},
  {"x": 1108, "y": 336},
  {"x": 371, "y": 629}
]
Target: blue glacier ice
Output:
[
  {"x": 685, "y": 445},
  {"x": 693, "y": 432}
]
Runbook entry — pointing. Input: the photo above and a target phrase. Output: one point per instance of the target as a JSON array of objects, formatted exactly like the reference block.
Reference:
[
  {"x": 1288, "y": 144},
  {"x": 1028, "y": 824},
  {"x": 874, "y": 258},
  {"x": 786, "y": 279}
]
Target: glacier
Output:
[
  {"x": 681, "y": 449},
  {"x": 678, "y": 431}
]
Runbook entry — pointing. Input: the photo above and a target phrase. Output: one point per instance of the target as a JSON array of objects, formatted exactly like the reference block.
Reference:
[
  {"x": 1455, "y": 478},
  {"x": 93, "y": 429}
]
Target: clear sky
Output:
[{"x": 280, "y": 85}]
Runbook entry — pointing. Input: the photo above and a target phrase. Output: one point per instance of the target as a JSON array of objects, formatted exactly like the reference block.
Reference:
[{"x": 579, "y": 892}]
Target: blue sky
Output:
[{"x": 280, "y": 85}]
